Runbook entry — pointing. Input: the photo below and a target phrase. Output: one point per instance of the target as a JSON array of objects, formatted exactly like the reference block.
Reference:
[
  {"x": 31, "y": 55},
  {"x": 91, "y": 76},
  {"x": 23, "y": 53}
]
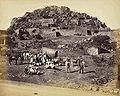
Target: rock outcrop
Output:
[{"x": 54, "y": 16}]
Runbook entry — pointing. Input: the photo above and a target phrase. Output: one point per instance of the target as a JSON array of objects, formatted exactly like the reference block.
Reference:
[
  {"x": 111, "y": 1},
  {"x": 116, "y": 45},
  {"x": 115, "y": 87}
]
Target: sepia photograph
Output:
[{"x": 59, "y": 48}]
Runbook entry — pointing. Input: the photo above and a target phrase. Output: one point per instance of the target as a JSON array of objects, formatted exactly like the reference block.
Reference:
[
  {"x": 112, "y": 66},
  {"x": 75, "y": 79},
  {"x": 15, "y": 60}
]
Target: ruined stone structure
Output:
[{"x": 2, "y": 42}]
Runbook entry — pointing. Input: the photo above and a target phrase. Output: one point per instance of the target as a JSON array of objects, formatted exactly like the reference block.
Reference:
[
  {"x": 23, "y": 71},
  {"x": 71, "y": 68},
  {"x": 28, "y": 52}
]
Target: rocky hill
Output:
[{"x": 54, "y": 16}]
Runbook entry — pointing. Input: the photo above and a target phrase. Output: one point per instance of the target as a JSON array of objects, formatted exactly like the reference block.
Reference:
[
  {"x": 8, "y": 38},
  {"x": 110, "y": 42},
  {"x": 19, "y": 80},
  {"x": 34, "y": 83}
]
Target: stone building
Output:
[
  {"x": 45, "y": 22},
  {"x": 2, "y": 42},
  {"x": 2, "y": 37},
  {"x": 82, "y": 31}
]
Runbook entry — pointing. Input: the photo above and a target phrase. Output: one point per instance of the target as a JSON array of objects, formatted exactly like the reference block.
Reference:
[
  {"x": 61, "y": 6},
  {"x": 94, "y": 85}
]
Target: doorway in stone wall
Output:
[{"x": 89, "y": 32}]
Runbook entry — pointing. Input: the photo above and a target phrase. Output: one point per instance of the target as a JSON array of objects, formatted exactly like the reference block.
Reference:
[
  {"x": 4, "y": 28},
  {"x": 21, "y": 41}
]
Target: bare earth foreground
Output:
[{"x": 10, "y": 88}]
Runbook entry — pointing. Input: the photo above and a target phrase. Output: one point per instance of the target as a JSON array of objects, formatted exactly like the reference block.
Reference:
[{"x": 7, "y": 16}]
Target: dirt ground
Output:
[
  {"x": 58, "y": 76},
  {"x": 9, "y": 88}
]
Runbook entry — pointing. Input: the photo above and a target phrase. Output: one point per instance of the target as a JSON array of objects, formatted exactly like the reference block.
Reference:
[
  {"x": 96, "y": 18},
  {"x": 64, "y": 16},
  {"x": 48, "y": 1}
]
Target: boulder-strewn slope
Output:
[{"x": 54, "y": 16}]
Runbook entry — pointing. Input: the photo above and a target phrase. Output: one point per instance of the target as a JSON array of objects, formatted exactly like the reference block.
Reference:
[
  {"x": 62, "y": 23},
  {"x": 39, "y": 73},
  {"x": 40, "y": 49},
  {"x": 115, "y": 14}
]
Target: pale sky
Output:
[{"x": 107, "y": 11}]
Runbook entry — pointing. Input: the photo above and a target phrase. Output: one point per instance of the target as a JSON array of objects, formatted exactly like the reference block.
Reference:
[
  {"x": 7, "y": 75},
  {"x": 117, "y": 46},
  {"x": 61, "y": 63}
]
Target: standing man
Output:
[
  {"x": 34, "y": 58},
  {"x": 31, "y": 59},
  {"x": 22, "y": 58},
  {"x": 27, "y": 55},
  {"x": 67, "y": 64},
  {"x": 78, "y": 61},
  {"x": 24, "y": 54},
  {"x": 44, "y": 58},
  {"x": 81, "y": 66}
]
